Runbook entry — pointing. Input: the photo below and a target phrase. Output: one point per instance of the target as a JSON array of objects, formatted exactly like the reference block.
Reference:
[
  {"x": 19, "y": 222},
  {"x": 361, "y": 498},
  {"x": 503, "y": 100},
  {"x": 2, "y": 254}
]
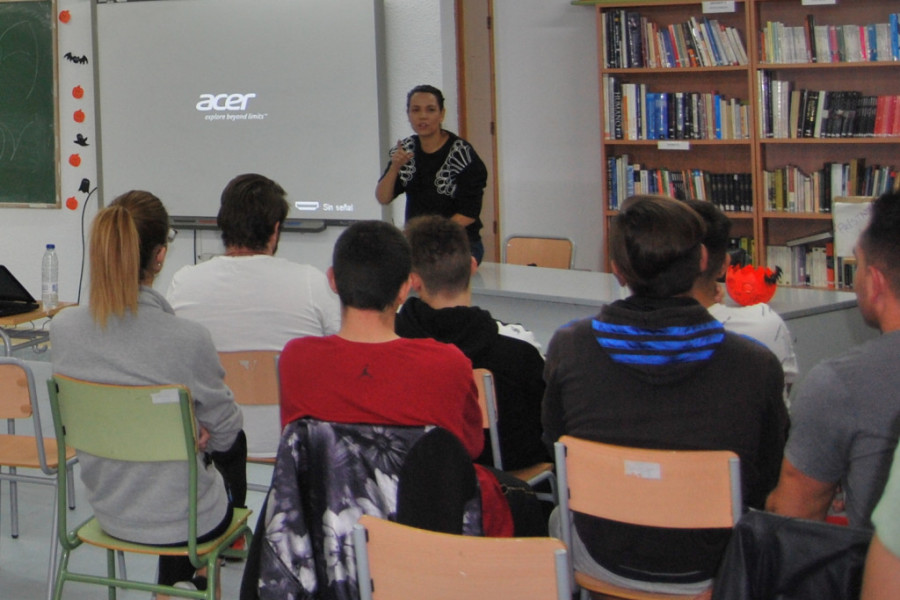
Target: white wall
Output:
[
  {"x": 548, "y": 123},
  {"x": 548, "y": 133}
]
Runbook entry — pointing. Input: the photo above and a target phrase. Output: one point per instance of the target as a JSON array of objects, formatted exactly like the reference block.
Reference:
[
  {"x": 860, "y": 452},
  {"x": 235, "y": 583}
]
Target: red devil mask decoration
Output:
[{"x": 751, "y": 285}]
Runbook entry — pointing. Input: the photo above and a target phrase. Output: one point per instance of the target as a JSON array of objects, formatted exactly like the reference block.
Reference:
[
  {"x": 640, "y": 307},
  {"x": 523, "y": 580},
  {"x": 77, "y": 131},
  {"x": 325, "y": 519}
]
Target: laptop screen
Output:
[{"x": 10, "y": 288}]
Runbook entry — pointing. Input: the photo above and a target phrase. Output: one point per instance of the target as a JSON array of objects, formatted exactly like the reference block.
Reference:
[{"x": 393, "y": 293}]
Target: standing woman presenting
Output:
[{"x": 439, "y": 171}]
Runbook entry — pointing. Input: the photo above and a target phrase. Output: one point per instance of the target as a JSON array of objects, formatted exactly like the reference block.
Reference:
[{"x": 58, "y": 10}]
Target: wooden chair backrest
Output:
[
  {"x": 131, "y": 423},
  {"x": 406, "y": 562},
  {"x": 16, "y": 389},
  {"x": 540, "y": 251},
  {"x": 656, "y": 488},
  {"x": 252, "y": 376}
]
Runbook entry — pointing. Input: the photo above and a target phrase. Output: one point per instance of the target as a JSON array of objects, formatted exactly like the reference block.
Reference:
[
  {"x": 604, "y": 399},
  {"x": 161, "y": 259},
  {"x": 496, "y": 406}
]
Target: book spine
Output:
[
  {"x": 676, "y": 50},
  {"x": 650, "y": 111},
  {"x": 829, "y": 264},
  {"x": 895, "y": 129},
  {"x": 616, "y": 47},
  {"x": 633, "y": 40},
  {"x": 894, "y": 23},
  {"x": 872, "y": 42},
  {"x": 809, "y": 28},
  {"x": 880, "y": 112},
  {"x": 617, "y": 104},
  {"x": 611, "y": 171},
  {"x": 822, "y": 108},
  {"x": 809, "y": 121}
]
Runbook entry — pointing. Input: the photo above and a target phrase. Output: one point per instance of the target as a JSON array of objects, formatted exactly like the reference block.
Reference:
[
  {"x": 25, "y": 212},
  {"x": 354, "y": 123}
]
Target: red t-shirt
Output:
[{"x": 401, "y": 382}]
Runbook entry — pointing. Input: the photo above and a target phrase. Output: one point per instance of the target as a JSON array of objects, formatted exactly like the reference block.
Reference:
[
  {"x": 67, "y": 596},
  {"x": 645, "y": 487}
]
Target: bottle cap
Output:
[{"x": 51, "y": 246}]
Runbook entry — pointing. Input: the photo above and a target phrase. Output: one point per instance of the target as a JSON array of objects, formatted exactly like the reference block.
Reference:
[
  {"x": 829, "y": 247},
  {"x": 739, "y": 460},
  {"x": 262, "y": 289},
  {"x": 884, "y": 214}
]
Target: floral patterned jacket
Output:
[{"x": 326, "y": 476}]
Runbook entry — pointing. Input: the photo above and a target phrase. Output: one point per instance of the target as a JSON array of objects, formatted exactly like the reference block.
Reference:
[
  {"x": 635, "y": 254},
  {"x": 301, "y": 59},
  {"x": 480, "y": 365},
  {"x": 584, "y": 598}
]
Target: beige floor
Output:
[{"x": 24, "y": 561}]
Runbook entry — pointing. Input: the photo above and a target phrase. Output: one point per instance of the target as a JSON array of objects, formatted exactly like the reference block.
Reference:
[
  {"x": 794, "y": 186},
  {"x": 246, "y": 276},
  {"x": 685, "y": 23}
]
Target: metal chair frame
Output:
[{"x": 167, "y": 412}]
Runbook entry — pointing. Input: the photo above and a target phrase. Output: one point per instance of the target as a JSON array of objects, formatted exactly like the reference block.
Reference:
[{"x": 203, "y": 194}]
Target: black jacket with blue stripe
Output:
[{"x": 663, "y": 373}]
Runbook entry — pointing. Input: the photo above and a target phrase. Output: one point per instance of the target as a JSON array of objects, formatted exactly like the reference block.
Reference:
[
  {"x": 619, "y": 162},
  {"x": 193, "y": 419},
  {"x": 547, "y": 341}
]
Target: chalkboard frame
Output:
[{"x": 47, "y": 167}]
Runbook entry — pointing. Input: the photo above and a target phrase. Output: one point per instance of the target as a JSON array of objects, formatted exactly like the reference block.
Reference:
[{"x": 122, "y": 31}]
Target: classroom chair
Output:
[
  {"x": 652, "y": 488},
  {"x": 773, "y": 556},
  {"x": 18, "y": 400},
  {"x": 557, "y": 253},
  {"x": 152, "y": 423},
  {"x": 487, "y": 400},
  {"x": 327, "y": 474},
  {"x": 396, "y": 561},
  {"x": 252, "y": 376}
]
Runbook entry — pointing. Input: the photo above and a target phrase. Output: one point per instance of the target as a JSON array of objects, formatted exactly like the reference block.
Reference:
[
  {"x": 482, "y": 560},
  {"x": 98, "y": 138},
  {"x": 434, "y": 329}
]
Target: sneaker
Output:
[
  {"x": 198, "y": 583},
  {"x": 239, "y": 545}
]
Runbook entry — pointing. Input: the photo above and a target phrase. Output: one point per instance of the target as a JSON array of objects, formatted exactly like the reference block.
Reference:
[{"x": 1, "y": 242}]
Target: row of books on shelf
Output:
[
  {"x": 801, "y": 265},
  {"x": 787, "y": 112},
  {"x": 633, "y": 41},
  {"x": 809, "y": 43},
  {"x": 790, "y": 189},
  {"x": 636, "y": 113},
  {"x": 814, "y": 266},
  {"x": 729, "y": 191}
]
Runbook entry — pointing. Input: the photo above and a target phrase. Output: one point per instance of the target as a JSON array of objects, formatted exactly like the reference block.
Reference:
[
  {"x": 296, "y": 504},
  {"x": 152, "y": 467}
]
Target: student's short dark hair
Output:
[
  {"x": 655, "y": 242},
  {"x": 440, "y": 253},
  {"x": 426, "y": 89},
  {"x": 880, "y": 240},
  {"x": 718, "y": 232},
  {"x": 371, "y": 262},
  {"x": 251, "y": 206}
]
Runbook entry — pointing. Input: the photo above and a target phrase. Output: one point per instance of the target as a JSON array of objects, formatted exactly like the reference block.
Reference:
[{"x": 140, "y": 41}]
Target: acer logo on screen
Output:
[{"x": 224, "y": 101}]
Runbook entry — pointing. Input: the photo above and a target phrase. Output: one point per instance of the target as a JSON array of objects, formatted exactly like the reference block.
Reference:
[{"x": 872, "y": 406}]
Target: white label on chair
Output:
[
  {"x": 644, "y": 470},
  {"x": 168, "y": 396}
]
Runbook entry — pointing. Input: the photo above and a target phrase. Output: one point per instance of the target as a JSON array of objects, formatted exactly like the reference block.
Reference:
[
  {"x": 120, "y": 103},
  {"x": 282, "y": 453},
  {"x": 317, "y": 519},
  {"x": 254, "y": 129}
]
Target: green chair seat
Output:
[{"x": 90, "y": 533}]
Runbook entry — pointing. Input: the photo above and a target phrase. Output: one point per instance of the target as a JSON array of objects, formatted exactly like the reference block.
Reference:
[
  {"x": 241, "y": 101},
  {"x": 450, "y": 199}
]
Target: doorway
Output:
[{"x": 477, "y": 105}]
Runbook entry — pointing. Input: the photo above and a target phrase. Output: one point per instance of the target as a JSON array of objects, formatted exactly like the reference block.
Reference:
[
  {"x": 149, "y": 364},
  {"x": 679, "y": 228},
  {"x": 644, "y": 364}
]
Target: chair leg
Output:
[
  {"x": 111, "y": 571},
  {"x": 212, "y": 579},
  {"x": 60, "y": 578},
  {"x": 122, "y": 572},
  {"x": 13, "y": 505},
  {"x": 70, "y": 485},
  {"x": 54, "y": 549}
]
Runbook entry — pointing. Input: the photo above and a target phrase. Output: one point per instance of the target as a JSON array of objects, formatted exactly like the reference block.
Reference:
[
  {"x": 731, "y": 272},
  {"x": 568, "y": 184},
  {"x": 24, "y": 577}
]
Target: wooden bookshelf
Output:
[{"x": 759, "y": 154}]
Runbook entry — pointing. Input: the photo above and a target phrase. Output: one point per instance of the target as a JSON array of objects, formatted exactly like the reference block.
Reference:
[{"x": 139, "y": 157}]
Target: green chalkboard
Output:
[{"x": 27, "y": 104}]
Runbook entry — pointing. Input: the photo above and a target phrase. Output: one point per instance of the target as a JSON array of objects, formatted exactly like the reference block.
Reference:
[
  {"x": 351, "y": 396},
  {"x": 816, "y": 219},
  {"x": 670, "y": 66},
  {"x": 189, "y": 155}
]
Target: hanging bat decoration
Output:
[{"x": 78, "y": 60}]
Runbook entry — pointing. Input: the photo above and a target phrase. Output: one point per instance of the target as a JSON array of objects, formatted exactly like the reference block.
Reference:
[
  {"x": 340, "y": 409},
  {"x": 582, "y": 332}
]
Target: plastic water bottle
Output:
[{"x": 50, "y": 278}]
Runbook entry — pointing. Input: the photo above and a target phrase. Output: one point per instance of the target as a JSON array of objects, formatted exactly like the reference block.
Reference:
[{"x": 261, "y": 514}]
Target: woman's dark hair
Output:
[{"x": 426, "y": 89}]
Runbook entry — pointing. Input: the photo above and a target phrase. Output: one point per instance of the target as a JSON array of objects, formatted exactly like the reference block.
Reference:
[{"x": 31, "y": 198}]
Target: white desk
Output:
[
  {"x": 823, "y": 323},
  {"x": 15, "y": 337}
]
